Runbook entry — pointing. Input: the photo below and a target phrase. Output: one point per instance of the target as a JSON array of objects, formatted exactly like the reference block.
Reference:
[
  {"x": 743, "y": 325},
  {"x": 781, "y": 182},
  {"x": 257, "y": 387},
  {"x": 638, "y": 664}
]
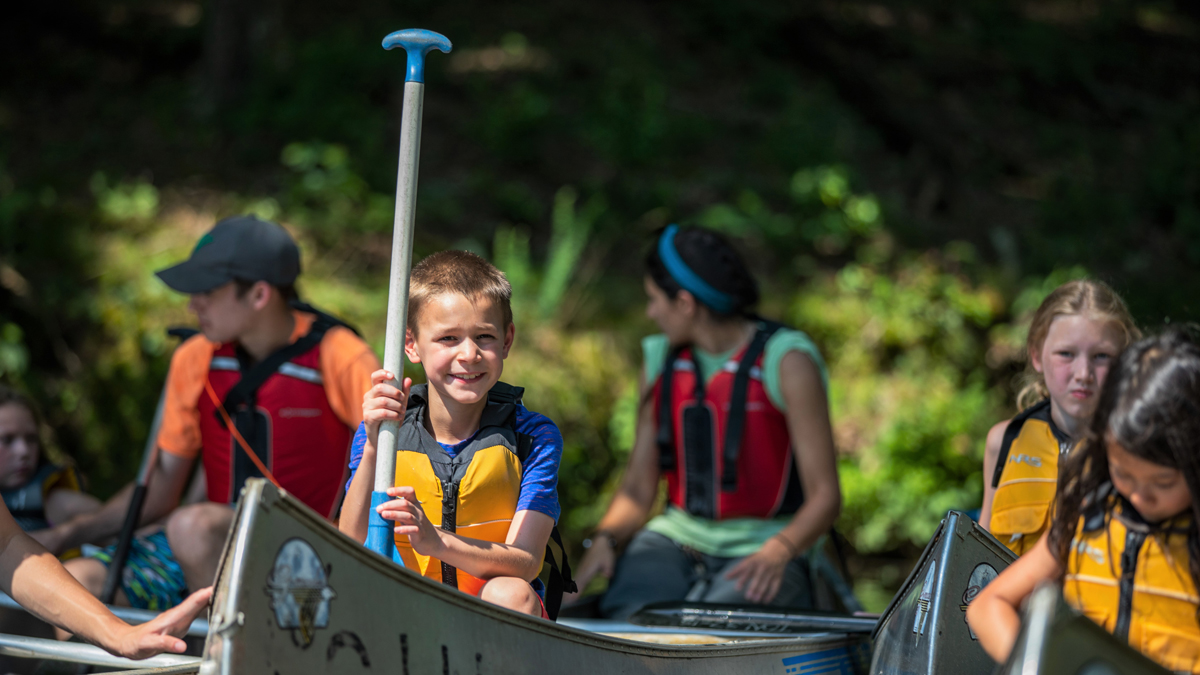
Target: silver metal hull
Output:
[
  {"x": 295, "y": 596},
  {"x": 924, "y": 631}
]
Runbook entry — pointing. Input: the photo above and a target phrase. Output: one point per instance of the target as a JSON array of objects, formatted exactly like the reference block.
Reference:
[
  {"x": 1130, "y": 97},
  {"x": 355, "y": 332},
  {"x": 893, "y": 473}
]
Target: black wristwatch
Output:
[{"x": 612, "y": 541}]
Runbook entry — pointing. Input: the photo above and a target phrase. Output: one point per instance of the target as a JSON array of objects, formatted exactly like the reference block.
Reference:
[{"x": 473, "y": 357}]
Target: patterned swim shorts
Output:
[{"x": 152, "y": 578}]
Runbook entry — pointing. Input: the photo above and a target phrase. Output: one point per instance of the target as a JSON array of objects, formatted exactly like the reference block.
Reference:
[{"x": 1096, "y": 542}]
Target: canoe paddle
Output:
[
  {"x": 112, "y": 580},
  {"x": 416, "y": 43},
  {"x": 750, "y": 619}
]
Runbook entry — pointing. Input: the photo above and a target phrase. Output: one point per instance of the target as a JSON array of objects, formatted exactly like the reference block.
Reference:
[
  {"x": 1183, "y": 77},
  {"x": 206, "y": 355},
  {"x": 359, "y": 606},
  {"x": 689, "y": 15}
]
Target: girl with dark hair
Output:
[
  {"x": 1124, "y": 540},
  {"x": 734, "y": 415}
]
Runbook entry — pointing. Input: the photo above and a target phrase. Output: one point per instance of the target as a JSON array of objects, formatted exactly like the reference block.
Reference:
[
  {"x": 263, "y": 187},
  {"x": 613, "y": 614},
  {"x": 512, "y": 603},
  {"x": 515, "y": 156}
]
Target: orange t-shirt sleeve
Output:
[
  {"x": 180, "y": 432},
  {"x": 346, "y": 366}
]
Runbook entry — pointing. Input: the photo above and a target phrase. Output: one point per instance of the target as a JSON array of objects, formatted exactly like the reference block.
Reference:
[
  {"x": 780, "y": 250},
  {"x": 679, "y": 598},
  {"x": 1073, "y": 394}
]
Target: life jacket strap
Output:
[
  {"x": 239, "y": 439},
  {"x": 255, "y": 375},
  {"x": 559, "y": 580},
  {"x": 665, "y": 438},
  {"x": 734, "y": 425},
  {"x": 503, "y": 393},
  {"x": 1011, "y": 432}
]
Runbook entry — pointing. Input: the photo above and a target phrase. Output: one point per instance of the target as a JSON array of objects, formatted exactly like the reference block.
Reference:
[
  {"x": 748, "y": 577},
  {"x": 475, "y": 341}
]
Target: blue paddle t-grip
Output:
[
  {"x": 381, "y": 533},
  {"x": 417, "y": 42}
]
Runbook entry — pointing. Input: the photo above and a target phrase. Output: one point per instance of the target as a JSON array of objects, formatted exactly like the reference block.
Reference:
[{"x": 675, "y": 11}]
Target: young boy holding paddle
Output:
[
  {"x": 265, "y": 390},
  {"x": 476, "y": 480}
]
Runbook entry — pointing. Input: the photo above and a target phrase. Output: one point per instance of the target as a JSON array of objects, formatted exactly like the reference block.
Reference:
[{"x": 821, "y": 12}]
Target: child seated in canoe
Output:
[
  {"x": 476, "y": 472},
  {"x": 37, "y": 492},
  {"x": 1075, "y": 334},
  {"x": 263, "y": 379},
  {"x": 1124, "y": 539}
]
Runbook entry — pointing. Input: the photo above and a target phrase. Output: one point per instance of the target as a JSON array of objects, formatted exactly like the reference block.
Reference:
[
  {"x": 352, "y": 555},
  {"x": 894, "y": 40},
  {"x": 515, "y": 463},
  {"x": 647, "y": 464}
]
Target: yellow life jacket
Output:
[
  {"x": 1026, "y": 477},
  {"x": 1134, "y": 579},
  {"x": 475, "y": 492}
]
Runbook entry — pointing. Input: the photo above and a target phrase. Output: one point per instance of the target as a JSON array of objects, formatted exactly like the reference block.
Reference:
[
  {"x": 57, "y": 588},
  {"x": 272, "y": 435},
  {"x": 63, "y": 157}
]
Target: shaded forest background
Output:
[{"x": 909, "y": 178}]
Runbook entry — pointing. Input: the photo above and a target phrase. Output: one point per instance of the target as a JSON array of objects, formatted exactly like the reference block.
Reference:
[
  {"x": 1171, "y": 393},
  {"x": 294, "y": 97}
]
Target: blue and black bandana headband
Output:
[{"x": 718, "y": 301}]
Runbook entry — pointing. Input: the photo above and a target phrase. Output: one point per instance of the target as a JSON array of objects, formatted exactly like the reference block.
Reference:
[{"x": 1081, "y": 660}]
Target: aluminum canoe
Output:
[{"x": 296, "y": 596}]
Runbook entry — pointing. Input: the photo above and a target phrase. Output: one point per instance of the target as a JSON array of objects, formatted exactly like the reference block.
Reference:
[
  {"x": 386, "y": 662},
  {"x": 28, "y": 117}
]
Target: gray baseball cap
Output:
[{"x": 241, "y": 247}]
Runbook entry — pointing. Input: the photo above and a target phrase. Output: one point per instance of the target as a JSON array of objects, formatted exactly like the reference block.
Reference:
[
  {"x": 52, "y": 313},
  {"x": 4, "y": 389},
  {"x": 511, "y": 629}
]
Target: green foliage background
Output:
[{"x": 909, "y": 179}]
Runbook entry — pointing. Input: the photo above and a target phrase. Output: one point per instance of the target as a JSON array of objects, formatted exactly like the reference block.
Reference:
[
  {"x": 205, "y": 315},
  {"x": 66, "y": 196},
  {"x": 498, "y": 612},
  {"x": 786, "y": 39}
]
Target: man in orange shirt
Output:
[{"x": 284, "y": 382}]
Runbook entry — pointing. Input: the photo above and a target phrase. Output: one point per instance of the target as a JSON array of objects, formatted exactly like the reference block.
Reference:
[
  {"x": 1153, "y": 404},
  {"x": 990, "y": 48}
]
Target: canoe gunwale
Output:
[
  {"x": 258, "y": 494},
  {"x": 225, "y": 622}
]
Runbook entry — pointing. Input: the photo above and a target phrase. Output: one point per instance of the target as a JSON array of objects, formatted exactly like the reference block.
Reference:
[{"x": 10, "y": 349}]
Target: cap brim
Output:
[{"x": 188, "y": 277}]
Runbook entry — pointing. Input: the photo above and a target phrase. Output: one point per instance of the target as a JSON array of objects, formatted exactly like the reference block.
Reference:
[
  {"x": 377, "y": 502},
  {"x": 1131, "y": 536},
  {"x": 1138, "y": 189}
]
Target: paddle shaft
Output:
[
  {"x": 112, "y": 580},
  {"x": 416, "y": 44},
  {"x": 379, "y": 534}
]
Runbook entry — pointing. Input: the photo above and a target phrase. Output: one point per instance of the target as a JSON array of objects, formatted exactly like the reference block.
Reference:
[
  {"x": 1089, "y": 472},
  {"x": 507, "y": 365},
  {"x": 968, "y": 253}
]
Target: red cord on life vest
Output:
[{"x": 238, "y": 436}]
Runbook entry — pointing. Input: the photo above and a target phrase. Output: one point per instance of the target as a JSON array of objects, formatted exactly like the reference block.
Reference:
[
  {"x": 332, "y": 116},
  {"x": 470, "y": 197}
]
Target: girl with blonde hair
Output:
[{"x": 1076, "y": 334}]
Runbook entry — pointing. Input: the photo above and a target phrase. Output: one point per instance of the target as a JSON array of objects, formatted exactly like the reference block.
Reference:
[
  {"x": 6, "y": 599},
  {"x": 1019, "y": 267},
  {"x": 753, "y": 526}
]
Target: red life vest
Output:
[
  {"x": 287, "y": 420},
  {"x": 725, "y": 448}
]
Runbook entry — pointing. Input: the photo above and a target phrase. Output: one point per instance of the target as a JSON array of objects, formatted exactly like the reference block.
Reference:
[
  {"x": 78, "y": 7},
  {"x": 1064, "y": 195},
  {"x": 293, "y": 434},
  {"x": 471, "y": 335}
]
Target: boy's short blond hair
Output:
[{"x": 462, "y": 273}]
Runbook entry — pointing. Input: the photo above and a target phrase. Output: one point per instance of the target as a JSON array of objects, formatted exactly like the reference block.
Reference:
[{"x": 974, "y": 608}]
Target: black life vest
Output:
[{"x": 27, "y": 503}]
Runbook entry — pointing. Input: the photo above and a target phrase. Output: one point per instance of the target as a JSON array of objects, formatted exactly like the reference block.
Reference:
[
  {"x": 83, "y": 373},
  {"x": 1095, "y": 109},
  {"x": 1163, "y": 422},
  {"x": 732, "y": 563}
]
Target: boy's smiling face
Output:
[{"x": 462, "y": 344}]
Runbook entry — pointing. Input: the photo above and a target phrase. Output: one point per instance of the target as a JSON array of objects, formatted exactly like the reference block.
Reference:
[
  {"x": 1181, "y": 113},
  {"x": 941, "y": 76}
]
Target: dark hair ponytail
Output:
[
  {"x": 714, "y": 259},
  {"x": 1150, "y": 406}
]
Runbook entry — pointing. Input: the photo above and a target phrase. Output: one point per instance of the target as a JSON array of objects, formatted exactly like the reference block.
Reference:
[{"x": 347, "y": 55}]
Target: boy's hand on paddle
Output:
[
  {"x": 759, "y": 576},
  {"x": 383, "y": 402},
  {"x": 411, "y": 520},
  {"x": 163, "y": 632}
]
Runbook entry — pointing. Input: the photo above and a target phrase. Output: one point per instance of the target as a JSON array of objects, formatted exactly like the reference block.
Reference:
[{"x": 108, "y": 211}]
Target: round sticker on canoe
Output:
[
  {"x": 299, "y": 590},
  {"x": 981, "y": 576}
]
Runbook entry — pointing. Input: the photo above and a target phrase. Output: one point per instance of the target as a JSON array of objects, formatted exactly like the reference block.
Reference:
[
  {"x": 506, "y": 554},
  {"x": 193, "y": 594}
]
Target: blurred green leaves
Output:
[
  {"x": 539, "y": 292},
  {"x": 125, "y": 202},
  {"x": 823, "y": 211},
  {"x": 14, "y": 357},
  {"x": 326, "y": 195}
]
